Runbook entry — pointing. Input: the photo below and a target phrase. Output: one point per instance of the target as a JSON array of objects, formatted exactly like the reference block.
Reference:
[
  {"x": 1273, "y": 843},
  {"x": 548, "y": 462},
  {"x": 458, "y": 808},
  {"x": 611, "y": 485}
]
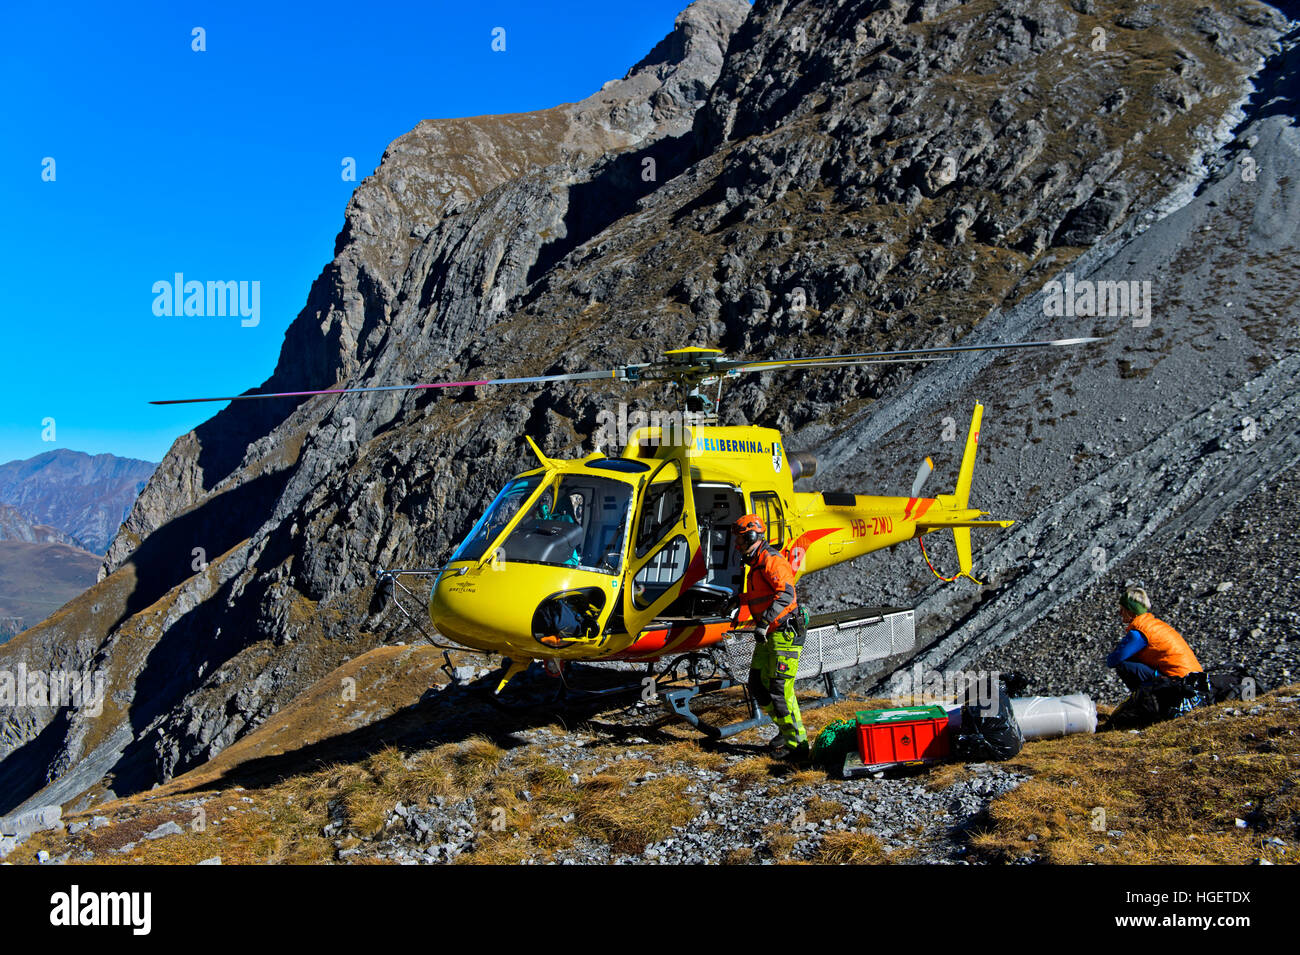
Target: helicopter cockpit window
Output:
[
  {"x": 494, "y": 520},
  {"x": 577, "y": 522}
]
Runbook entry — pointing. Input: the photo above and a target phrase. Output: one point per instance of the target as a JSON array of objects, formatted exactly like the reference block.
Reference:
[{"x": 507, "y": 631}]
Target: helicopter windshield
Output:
[
  {"x": 499, "y": 513},
  {"x": 578, "y": 521}
]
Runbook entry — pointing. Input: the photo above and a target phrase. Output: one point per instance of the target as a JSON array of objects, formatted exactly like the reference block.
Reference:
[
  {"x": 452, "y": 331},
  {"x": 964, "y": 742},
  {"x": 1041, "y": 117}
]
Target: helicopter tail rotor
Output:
[{"x": 922, "y": 475}]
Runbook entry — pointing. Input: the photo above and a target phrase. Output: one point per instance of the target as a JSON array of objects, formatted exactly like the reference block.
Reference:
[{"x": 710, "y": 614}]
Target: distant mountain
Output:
[
  {"x": 41, "y": 569},
  {"x": 16, "y": 526},
  {"x": 85, "y": 496}
]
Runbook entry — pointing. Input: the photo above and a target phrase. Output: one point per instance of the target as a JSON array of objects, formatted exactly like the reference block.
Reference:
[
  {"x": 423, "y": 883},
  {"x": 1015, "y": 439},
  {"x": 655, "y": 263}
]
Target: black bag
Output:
[
  {"x": 1232, "y": 682},
  {"x": 989, "y": 730},
  {"x": 1161, "y": 699}
]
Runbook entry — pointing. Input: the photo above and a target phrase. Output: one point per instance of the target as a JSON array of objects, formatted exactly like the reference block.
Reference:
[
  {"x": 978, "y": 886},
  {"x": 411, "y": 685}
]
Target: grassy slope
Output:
[
  {"x": 38, "y": 579},
  {"x": 1171, "y": 793}
]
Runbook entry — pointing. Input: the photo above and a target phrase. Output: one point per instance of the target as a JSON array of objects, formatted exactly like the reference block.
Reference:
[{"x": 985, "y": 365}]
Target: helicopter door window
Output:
[
  {"x": 718, "y": 507},
  {"x": 767, "y": 505},
  {"x": 606, "y": 537},
  {"x": 663, "y": 570},
  {"x": 662, "y": 508}
]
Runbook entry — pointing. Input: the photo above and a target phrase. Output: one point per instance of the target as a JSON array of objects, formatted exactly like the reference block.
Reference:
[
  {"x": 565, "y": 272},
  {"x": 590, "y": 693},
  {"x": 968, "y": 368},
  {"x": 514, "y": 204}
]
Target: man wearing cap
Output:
[
  {"x": 1150, "y": 648},
  {"x": 779, "y": 634}
]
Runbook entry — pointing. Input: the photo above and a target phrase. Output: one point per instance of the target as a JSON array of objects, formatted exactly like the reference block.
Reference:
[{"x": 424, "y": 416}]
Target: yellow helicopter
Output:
[{"x": 629, "y": 557}]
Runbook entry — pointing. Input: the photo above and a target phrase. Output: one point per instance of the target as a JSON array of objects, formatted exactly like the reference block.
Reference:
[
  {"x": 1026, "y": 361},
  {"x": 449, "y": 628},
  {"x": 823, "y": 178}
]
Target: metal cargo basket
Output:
[{"x": 842, "y": 639}]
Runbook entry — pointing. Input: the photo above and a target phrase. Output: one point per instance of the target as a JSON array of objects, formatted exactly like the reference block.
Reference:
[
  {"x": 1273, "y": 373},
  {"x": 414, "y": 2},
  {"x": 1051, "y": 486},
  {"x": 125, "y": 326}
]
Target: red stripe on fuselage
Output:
[
  {"x": 656, "y": 641},
  {"x": 695, "y": 572},
  {"x": 808, "y": 538}
]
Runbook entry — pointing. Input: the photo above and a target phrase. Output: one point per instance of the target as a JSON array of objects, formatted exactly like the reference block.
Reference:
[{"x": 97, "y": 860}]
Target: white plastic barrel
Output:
[{"x": 1041, "y": 717}]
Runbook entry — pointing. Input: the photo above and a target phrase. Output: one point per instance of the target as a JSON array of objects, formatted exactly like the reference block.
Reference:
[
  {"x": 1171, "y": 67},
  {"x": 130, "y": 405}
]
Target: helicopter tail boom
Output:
[{"x": 845, "y": 526}]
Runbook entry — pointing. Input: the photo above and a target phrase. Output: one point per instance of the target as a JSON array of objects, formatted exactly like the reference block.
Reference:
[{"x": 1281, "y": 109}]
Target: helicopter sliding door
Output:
[{"x": 665, "y": 552}]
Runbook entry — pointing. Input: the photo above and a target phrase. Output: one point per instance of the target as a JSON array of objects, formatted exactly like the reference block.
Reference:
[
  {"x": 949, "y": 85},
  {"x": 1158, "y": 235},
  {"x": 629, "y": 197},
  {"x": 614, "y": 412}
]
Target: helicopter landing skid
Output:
[
  {"x": 678, "y": 700},
  {"x": 560, "y": 696}
]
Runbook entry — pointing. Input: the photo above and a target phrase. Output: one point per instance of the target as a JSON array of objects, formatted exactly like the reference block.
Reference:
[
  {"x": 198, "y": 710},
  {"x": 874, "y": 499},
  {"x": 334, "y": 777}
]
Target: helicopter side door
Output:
[{"x": 665, "y": 556}]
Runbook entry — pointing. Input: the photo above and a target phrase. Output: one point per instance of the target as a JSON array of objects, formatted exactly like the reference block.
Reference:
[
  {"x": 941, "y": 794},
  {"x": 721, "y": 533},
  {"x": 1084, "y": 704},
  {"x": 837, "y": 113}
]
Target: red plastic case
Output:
[{"x": 903, "y": 735}]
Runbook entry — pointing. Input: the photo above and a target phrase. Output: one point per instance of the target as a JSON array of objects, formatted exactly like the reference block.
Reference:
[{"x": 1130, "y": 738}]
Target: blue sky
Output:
[{"x": 224, "y": 164}]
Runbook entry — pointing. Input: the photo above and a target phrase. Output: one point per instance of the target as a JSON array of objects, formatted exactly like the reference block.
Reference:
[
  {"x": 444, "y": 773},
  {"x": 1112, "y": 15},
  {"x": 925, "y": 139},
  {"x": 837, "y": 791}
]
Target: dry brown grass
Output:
[
  {"x": 818, "y": 809},
  {"x": 629, "y": 820},
  {"x": 1170, "y": 794},
  {"x": 476, "y": 761},
  {"x": 946, "y": 774},
  {"x": 742, "y": 856},
  {"x": 1164, "y": 789},
  {"x": 850, "y": 848},
  {"x": 501, "y": 848},
  {"x": 808, "y": 777},
  {"x": 691, "y": 753},
  {"x": 275, "y": 829},
  {"x": 752, "y": 770},
  {"x": 781, "y": 844}
]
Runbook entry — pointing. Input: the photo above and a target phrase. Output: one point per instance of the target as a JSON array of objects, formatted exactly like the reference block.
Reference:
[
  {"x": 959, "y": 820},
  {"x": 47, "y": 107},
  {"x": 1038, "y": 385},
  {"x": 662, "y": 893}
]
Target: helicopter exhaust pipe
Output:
[{"x": 803, "y": 464}]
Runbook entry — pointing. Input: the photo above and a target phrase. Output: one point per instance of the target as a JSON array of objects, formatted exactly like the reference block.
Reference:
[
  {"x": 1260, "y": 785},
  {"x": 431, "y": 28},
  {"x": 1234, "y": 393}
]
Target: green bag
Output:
[{"x": 834, "y": 743}]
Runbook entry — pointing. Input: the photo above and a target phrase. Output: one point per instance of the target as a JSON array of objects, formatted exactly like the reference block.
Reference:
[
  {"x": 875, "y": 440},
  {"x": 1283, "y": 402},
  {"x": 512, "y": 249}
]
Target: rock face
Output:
[
  {"x": 16, "y": 829},
  {"x": 85, "y": 496},
  {"x": 14, "y": 526},
  {"x": 799, "y": 177}
]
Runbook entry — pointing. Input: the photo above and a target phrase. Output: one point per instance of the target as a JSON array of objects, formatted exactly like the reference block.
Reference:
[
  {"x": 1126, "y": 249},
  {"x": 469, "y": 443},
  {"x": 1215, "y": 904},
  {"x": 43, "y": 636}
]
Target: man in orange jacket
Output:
[
  {"x": 779, "y": 634},
  {"x": 1150, "y": 648}
]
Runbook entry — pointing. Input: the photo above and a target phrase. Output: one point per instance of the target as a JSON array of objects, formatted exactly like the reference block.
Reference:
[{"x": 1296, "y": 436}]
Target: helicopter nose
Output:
[
  {"x": 461, "y": 607},
  {"x": 527, "y": 610}
]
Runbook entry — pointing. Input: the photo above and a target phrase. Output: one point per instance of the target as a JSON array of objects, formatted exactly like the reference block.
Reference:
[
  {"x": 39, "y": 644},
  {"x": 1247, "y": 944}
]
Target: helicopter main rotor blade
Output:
[
  {"x": 533, "y": 379},
  {"x": 888, "y": 357},
  {"x": 682, "y": 373}
]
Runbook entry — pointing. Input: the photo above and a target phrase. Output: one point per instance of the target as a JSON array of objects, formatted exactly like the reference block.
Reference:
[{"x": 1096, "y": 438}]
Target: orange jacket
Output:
[
  {"x": 769, "y": 589},
  {"x": 1166, "y": 650}
]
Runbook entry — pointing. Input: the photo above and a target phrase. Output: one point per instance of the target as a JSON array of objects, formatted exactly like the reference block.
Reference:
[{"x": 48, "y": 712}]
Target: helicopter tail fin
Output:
[
  {"x": 961, "y": 535},
  {"x": 956, "y": 514},
  {"x": 962, "y": 493}
]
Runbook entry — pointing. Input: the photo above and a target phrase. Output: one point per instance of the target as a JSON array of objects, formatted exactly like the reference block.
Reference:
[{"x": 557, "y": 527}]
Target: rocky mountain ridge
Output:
[{"x": 859, "y": 175}]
